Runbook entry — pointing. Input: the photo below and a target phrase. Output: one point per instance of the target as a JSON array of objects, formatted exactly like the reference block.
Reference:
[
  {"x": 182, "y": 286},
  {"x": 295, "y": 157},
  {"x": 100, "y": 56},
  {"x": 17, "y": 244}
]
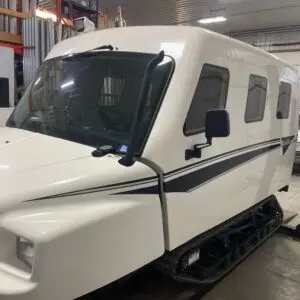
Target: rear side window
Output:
[
  {"x": 256, "y": 100},
  {"x": 284, "y": 100},
  {"x": 210, "y": 94}
]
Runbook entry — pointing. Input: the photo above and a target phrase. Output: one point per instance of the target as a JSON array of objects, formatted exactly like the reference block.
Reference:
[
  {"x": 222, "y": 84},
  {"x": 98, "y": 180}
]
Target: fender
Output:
[{"x": 96, "y": 240}]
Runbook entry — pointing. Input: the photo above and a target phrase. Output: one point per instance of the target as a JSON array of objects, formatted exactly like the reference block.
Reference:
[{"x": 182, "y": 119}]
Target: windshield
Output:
[{"x": 91, "y": 98}]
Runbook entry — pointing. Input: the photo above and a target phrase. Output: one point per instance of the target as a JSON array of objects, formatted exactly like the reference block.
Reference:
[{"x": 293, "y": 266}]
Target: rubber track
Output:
[{"x": 168, "y": 264}]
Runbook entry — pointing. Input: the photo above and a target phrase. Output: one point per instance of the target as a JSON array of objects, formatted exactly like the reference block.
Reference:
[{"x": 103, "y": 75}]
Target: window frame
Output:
[
  {"x": 144, "y": 142},
  {"x": 139, "y": 150},
  {"x": 202, "y": 130},
  {"x": 289, "y": 107},
  {"x": 265, "y": 101}
]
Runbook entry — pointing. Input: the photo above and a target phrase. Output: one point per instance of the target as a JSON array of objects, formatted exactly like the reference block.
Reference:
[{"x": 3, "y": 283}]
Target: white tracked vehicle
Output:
[{"x": 140, "y": 145}]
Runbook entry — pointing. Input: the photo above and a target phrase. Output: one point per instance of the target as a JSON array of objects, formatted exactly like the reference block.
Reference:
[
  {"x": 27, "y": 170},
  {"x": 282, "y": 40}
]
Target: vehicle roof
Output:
[{"x": 152, "y": 39}]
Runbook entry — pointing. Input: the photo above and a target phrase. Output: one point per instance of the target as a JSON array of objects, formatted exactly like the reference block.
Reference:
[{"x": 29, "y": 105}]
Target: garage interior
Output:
[{"x": 29, "y": 29}]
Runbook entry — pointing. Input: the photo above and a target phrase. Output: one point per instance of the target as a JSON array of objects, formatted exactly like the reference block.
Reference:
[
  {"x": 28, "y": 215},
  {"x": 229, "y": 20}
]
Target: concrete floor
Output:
[{"x": 270, "y": 273}]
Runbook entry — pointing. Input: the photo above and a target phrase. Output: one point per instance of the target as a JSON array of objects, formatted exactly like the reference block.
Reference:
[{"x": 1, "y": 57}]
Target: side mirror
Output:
[{"x": 216, "y": 124}]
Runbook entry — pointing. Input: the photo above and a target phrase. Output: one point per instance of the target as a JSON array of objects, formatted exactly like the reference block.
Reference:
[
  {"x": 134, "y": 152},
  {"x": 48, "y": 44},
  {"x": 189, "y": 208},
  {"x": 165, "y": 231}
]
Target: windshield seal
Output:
[{"x": 110, "y": 54}]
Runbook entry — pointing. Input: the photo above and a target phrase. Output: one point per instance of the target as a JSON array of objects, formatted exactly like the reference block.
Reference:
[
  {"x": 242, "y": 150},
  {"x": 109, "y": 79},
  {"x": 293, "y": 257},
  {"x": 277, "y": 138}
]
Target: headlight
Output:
[{"x": 25, "y": 251}]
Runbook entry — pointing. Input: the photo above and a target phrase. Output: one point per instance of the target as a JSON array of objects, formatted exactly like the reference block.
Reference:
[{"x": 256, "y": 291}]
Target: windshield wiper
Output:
[
  {"x": 104, "y": 47},
  {"x": 80, "y": 54},
  {"x": 128, "y": 159}
]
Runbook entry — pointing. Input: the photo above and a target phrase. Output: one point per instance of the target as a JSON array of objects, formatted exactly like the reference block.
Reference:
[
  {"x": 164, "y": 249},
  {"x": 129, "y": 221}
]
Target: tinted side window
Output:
[
  {"x": 211, "y": 93},
  {"x": 256, "y": 100},
  {"x": 284, "y": 100}
]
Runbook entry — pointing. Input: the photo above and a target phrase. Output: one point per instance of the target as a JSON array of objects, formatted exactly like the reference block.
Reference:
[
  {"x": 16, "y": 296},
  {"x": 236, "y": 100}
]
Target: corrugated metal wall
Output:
[
  {"x": 242, "y": 15},
  {"x": 145, "y": 12},
  {"x": 8, "y": 23},
  {"x": 276, "y": 40},
  {"x": 284, "y": 43}
]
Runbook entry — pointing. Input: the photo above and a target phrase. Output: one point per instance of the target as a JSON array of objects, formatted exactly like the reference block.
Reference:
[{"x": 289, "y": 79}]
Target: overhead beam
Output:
[
  {"x": 13, "y": 13},
  {"x": 67, "y": 22},
  {"x": 10, "y": 38},
  {"x": 22, "y": 15}
]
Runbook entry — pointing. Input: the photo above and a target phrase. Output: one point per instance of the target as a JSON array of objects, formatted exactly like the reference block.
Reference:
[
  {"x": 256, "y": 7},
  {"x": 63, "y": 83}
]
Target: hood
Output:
[
  {"x": 22, "y": 150},
  {"x": 35, "y": 166}
]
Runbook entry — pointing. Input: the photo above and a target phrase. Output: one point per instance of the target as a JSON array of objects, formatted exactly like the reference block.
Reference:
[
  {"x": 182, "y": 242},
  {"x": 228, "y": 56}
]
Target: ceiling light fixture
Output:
[
  {"x": 212, "y": 20},
  {"x": 45, "y": 15}
]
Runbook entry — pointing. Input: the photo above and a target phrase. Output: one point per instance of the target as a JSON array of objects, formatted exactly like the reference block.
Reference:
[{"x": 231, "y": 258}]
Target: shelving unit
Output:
[
  {"x": 11, "y": 15},
  {"x": 72, "y": 9},
  {"x": 24, "y": 28},
  {"x": 88, "y": 6}
]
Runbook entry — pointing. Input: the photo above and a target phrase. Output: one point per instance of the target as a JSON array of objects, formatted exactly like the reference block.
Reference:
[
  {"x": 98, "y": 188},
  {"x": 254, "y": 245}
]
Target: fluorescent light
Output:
[
  {"x": 66, "y": 84},
  {"x": 45, "y": 15},
  {"x": 212, "y": 20}
]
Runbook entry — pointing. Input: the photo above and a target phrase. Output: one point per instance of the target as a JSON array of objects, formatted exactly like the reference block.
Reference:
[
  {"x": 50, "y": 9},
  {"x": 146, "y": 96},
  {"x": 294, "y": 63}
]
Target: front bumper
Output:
[{"x": 12, "y": 288}]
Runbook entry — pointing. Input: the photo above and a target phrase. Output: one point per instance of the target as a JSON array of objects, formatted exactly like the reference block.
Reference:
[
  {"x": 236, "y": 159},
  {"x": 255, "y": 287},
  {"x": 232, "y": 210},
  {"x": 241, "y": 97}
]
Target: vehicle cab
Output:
[
  {"x": 128, "y": 145},
  {"x": 76, "y": 156}
]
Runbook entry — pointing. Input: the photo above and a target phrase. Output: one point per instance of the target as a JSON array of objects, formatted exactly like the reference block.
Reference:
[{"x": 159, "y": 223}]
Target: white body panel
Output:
[
  {"x": 225, "y": 197},
  {"x": 292, "y": 58},
  {"x": 187, "y": 220},
  {"x": 104, "y": 229},
  {"x": 87, "y": 240},
  {"x": 90, "y": 218},
  {"x": 4, "y": 115}
]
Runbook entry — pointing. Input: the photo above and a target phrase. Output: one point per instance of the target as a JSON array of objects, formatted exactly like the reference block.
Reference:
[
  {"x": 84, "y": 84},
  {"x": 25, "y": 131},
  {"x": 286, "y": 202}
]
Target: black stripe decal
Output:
[
  {"x": 144, "y": 191},
  {"x": 99, "y": 189},
  {"x": 180, "y": 170},
  {"x": 190, "y": 181},
  {"x": 197, "y": 178},
  {"x": 186, "y": 182}
]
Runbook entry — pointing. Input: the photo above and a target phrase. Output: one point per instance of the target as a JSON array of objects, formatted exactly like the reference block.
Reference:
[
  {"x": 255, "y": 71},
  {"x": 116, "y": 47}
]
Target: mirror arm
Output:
[
  {"x": 196, "y": 152},
  {"x": 208, "y": 140},
  {"x": 212, "y": 129}
]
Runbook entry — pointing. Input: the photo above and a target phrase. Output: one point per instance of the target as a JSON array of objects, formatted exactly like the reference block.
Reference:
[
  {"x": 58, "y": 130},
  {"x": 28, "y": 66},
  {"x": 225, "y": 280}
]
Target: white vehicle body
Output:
[
  {"x": 293, "y": 58},
  {"x": 92, "y": 220}
]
